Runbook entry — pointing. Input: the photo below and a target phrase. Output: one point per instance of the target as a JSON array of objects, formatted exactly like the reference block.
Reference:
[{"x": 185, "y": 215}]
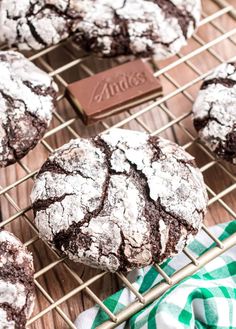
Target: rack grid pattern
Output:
[{"x": 78, "y": 64}]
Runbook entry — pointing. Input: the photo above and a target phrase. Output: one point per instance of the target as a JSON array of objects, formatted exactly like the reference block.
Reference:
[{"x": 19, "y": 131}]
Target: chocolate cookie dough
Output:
[
  {"x": 36, "y": 24},
  {"x": 16, "y": 282},
  {"x": 138, "y": 27},
  {"x": 120, "y": 200},
  {"x": 214, "y": 112},
  {"x": 27, "y": 97}
]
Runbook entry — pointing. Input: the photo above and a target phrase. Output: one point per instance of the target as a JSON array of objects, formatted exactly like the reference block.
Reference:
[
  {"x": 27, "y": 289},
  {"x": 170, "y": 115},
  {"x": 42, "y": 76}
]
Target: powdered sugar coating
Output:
[
  {"x": 109, "y": 28},
  {"x": 26, "y": 102},
  {"x": 5, "y": 323},
  {"x": 16, "y": 282},
  {"x": 214, "y": 111},
  {"x": 13, "y": 294},
  {"x": 119, "y": 201},
  {"x": 35, "y": 24},
  {"x": 138, "y": 27}
]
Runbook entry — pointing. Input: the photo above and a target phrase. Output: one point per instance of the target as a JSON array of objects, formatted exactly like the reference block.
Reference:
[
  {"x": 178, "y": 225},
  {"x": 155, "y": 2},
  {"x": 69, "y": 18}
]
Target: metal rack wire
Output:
[{"x": 66, "y": 122}]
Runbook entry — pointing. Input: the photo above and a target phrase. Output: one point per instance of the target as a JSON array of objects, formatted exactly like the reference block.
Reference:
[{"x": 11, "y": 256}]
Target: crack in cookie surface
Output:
[{"x": 183, "y": 16}]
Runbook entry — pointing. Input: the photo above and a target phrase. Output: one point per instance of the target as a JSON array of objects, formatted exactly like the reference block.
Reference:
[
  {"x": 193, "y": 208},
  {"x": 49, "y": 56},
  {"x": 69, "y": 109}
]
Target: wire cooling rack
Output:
[{"x": 65, "y": 289}]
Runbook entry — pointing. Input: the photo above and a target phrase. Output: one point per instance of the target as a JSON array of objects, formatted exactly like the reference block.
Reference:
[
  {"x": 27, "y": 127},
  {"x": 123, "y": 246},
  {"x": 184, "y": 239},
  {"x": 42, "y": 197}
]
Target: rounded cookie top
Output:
[
  {"x": 214, "y": 111},
  {"x": 120, "y": 200},
  {"x": 27, "y": 97},
  {"x": 16, "y": 282},
  {"x": 138, "y": 27},
  {"x": 35, "y": 24}
]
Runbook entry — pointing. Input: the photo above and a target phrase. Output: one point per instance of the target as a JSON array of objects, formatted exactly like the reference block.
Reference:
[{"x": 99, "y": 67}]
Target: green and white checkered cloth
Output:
[{"x": 206, "y": 299}]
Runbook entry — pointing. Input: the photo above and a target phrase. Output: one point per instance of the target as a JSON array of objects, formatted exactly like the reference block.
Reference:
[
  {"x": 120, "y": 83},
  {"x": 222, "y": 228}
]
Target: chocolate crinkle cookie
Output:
[
  {"x": 140, "y": 27},
  {"x": 16, "y": 282},
  {"x": 109, "y": 28},
  {"x": 214, "y": 112},
  {"x": 27, "y": 96},
  {"x": 36, "y": 24},
  {"x": 120, "y": 200}
]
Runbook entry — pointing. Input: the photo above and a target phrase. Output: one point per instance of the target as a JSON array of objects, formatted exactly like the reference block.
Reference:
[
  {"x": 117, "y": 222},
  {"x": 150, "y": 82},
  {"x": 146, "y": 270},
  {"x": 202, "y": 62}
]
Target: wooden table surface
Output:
[{"x": 218, "y": 175}]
